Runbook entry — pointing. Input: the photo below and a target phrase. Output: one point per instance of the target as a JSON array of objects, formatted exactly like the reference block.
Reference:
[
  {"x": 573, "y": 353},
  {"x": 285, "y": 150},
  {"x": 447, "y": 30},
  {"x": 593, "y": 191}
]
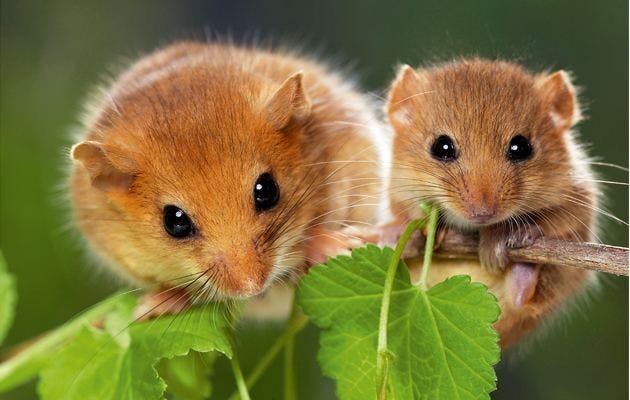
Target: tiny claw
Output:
[
  {"x": 522, "y": 278},
  {"x": 494, "y": 257},
  {"x": 439, "y": 237},
  {"x": 523, "y": 237},
  {"x": 440, "y": 233},
  {"x": 493, "y": 249},
  {"x": 425, "y": 231}
]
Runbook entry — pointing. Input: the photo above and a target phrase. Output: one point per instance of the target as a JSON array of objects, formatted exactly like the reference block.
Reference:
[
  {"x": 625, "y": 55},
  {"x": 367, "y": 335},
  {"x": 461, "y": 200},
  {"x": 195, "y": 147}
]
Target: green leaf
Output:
[
  {"x": 119, "y": 318},
  {"x": 441, "y": 341},
  {"x": 8, "y": 298},
  {"x": 98, "y": 365},
  {"x": 188, "y": 377},
  {"x": 27, "y": 363}
]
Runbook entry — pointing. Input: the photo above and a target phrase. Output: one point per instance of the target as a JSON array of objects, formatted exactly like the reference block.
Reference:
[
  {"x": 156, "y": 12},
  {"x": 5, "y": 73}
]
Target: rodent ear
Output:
[
  {"x": 288, "y": 103},
  {"x": 104, "y": 174},
  {"x": 560, "y": 95},
  {"x": 405, "y": 87}
]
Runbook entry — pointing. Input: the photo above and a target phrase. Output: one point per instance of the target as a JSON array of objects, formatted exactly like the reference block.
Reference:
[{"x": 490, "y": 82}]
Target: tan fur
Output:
[
  {"x": 194, "y": 125},
  {"x": 482, "y": 105}
]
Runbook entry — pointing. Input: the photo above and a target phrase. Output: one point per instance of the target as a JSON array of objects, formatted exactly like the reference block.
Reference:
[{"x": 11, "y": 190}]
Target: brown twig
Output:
[{"x": 597, "y": 257}]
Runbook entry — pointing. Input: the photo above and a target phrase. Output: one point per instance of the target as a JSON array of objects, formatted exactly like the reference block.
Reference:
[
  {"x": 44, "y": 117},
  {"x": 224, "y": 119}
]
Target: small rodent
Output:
[
  {"x": 492, "y": 145},
  {"x": 220, "y": 169}
]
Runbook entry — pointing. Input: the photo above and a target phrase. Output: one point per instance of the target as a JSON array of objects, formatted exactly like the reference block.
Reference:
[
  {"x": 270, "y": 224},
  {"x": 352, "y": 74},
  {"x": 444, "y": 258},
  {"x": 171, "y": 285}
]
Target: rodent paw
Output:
[
  {"x": 391, "y": 233},
  {"x": 494, "y": 257},
  {"x": 439, "y": 236},
  {"x": 523, "y": 236},
  {"x": 493, "y": 249},
  {"x": 388, "y": 235},
  {"x": 155, "y": 304},
  {"x": 325, "y": 244}
]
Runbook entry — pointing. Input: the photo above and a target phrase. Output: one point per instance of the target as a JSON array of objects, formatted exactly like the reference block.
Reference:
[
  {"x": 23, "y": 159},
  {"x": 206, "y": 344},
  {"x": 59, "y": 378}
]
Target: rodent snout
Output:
[
  {"x": 481, "y": 207},
  {"x": 243, "y": 273},
  {"x": 480, "y": 200},
  {"x": 482, "y": 214}
]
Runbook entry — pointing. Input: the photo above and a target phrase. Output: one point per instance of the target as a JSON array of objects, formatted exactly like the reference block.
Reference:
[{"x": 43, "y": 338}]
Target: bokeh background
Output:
[{"x": 52, "y": 52}]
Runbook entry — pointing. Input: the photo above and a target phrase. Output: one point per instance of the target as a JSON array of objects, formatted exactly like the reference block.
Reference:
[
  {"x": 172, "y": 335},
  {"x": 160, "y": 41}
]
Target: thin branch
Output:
[{"x": 593, "y": 256}]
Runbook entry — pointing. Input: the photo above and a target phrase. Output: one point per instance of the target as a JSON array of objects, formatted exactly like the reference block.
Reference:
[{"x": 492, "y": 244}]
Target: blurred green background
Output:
[{"x": 52, "y": 52}]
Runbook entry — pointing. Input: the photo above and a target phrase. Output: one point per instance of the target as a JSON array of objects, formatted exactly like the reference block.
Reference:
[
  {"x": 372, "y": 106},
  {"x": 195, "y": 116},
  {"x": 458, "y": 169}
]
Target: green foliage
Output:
[
  {"x": 441, "y": 342},
  {"x": 8, "y": 298},
  {"x": 105, "y": 364},
  {"x": 35, "y": 355},
  {"x": 188, "y": 377},
  {"x": 43, "y": 86}
]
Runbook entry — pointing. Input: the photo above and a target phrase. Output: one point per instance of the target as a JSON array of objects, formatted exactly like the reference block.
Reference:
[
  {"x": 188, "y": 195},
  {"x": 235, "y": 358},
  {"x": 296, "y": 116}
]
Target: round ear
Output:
[
  {"x": 560, "y": 95},
  {"x": 289, "y": 103},
  {"x": 104, "y": 174},
  {"x": 406, "y": 86}
]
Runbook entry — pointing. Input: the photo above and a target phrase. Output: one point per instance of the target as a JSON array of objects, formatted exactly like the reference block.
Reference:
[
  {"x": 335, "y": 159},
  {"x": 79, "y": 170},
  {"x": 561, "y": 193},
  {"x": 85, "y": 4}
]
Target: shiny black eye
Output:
[
  {"x": 177, "y": 223},
  {"x": 520, "y": 149},
  {"x": 443, "y": 149},
  {"x": 266, "y": 192}
]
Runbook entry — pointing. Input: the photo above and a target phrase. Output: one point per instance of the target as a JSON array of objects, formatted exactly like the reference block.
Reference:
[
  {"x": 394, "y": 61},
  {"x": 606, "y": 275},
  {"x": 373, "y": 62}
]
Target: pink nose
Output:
[{"x": 481, "y": 214}]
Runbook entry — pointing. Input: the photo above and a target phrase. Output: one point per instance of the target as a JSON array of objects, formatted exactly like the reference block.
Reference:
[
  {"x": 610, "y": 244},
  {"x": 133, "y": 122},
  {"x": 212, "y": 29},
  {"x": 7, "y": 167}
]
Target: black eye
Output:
[
  {"x": 266, "y": 192},
  {"x": 177, "y": 223},
  {"x": 443, "y": 149},
  {"x": 520, "y": 149}
]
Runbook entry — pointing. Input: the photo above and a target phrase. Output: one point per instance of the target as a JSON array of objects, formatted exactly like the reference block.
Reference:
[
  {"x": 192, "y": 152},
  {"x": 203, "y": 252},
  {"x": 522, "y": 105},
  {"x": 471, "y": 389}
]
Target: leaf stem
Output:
[
  {"x": 428, "y": 247},
  {"x": 236, "y": 370},
  {"x": 294, "y": 325},
  {"x": 289, "y": 360},
  {"x": 26, "y": 363},
  {"x": 382, "y": 360}
]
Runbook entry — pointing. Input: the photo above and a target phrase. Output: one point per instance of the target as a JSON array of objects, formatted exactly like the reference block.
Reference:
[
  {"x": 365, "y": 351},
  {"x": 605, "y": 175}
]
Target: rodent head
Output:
[
  {"x": 196, "y": 173},
  {"x": 486, "y": 140}
]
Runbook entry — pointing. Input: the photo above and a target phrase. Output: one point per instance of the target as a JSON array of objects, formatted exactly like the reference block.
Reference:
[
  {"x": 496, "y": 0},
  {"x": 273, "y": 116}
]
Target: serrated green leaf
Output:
[
  {"x": 97, "y": 366},
  {"x": 8, "y": 298},
  {"x": 441, "y": 341},
  {"x": 188, "y": 377}
]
